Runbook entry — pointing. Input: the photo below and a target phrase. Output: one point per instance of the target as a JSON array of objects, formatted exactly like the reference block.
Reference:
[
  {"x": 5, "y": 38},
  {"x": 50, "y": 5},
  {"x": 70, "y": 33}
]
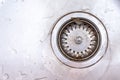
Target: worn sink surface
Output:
[{"x": 25, "y": 47}]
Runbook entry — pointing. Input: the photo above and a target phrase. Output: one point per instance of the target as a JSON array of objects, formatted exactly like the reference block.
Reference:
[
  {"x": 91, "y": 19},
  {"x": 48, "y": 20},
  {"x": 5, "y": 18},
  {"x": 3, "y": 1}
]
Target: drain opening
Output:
[{"x": 78, "y": 39}]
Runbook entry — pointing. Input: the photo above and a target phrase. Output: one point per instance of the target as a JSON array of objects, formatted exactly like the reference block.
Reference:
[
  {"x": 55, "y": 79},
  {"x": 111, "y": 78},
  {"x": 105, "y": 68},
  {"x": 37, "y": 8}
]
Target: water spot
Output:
[
  {"x": 2, "y": 1},
  {"x": 49, "y": 62},
  {"x": 23, "y": 74},
  {"x": 41, "y": 41},
  {"x": 108, "y": 10},
  {"x": 31, "y": 71},
  {"x": 35, "y": 63},
  {"x": 5, "y": 76},
  {"x": 9, "y": 19},
  {"x": 14, "y": 50},
  {"x": 22, "y": 0}
]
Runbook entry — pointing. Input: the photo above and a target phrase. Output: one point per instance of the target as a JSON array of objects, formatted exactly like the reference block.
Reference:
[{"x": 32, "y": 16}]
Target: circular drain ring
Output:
[{"x": 102, "y": 48}]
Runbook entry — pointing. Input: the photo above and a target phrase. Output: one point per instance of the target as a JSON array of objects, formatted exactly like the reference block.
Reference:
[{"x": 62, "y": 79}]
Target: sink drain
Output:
[{"x": 79, "y": 39}]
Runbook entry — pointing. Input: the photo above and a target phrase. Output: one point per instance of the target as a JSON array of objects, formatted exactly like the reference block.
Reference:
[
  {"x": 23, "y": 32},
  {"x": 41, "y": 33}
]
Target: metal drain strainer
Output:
[{"x": 79, "y": 39}]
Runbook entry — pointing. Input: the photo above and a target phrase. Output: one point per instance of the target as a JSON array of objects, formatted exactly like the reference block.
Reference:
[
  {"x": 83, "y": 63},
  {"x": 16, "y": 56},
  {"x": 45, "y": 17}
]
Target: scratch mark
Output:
[
  {"x": 49, "y": 17},
  {"x": 86, "y": 9},
  {"x": 2, "y": 67},
  {"x": 40, "y": 78},
  {"x": 41, "y": 41}
]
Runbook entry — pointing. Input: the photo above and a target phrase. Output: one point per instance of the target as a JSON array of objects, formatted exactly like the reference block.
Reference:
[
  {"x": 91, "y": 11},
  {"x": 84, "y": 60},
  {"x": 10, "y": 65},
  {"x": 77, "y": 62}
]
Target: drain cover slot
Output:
[{"x": 79, "y": 39}]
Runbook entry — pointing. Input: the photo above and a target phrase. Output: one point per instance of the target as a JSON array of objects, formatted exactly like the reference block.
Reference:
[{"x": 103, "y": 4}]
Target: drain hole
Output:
[{"x": 78, "y": 39}]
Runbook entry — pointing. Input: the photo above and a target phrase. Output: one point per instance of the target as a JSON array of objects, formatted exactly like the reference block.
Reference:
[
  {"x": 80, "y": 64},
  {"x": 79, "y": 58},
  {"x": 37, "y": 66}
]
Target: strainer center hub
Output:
[{"x": 78, "y": 40}]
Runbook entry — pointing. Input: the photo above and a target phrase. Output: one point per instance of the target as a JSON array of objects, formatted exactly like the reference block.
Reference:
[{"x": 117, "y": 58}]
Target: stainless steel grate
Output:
[{"x": 78, "y": 39}]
